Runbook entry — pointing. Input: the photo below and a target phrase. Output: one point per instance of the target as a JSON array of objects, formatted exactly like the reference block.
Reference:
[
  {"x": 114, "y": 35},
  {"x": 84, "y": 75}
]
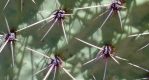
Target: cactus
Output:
[{"x": 74, "y": 39}]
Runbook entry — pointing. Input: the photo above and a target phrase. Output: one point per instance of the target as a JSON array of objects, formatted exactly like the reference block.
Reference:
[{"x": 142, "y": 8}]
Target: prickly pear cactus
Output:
[{"x": 74, "y": 40}]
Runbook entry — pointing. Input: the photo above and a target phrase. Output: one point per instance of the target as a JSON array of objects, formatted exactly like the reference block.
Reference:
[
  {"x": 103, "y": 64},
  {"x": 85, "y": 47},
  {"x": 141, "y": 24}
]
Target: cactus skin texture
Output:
[{"x": 82, "y": 31}]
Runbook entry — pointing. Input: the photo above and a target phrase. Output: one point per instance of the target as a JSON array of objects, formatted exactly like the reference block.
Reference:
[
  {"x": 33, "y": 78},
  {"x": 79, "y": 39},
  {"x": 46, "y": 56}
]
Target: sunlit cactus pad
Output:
[{"x": 74, "y": 40}]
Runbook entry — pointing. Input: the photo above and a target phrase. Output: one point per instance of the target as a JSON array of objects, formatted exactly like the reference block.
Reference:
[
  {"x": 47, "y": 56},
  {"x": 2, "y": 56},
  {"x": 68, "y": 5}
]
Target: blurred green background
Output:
[{"x": 135, "y": 19}]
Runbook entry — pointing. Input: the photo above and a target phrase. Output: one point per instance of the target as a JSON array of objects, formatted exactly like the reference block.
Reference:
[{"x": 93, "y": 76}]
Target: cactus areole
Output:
[
  {"x": 116, "y": 5},
  {"x": 11, "y": 36},
  {"x": 56, "y": 61},
  {"x": 59, "y": 14},
  {"x": 107, "y": 51}
]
